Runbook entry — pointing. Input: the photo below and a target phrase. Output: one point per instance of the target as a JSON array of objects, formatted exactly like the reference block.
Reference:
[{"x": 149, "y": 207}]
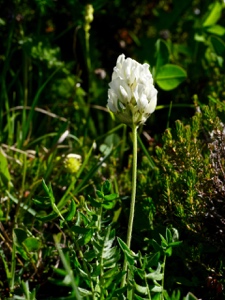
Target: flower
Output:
[
  {"x": 132, "y": 96},
  {"x": 72, "y": 163}
]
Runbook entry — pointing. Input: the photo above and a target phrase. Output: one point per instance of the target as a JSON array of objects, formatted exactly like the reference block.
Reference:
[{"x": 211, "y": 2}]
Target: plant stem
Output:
[
  {"x": 164, "y": 266},
  {"x": 13, "y": 265},
  {"x": 133, "y": 197},
  {"x": 134, "y": 183}
]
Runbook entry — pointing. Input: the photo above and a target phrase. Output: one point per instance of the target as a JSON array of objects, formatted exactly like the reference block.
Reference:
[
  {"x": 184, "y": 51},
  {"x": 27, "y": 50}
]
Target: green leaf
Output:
[
  {"x": 106, "y": 187},
  {"x": 106, "y": 281},
  {"x": 83, "y": 274},
  {"x": 162, "y": 54},
  {"x": 169, "y": 251},
  {"x": 89, "y": 255},
  {"x": 155, "y": 275},
  {"x": 164, "y": 242},
  {"x": 72, "y": 211},
  {"x": 84, "y": 292},
  {"x": 45, "y": 187},
  {"x": 42, "y": 202},
  {"x": 157, "y": 289},
  {"x": 111, "y": 197},
  {"x": 141, "y": 289},
  {"x": 190, "y": 296},
  {"x": 94, "y": 202},
  {"x": 97, "y": 271},
  {"x": 48, "y": 218},
  {"x": 168, "y": 235},
  {"x": 174, "y": 244},
  {"x": 20, "y": 234},
  {"x": 199, "y": 38},
  {"x": 108, "y": 204},
  {"x": 100, "y": 194},
  {"x": 80, "y": 230},
  {"x": 127, "y": 252},
  {"x": 218, "y": 45},
  {"x": 157, "y": 296},
  {"x": 4, "y": 171},
  {"x": 153, "y": 260},
  {"x": 86, "y": 238},
  {"x": 213, "y": 15},
  {"x": 216, "y": 29},
  {"x": 170, "y": 76},
  {"x": 109, "y": 273},
  {"x": 22, "y": 205},
  {"x": 32, "y": 244}
]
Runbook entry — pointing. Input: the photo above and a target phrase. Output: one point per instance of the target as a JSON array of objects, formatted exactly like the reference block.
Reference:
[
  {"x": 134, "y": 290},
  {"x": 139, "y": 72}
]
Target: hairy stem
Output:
[{"x": 133, "y": 197}]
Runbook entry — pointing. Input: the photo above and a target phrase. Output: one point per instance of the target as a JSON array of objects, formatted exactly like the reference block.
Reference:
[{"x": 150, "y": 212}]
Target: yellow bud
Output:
[
  {"x": 89, "y": 10},
  {"x": 72, "y": 163}
]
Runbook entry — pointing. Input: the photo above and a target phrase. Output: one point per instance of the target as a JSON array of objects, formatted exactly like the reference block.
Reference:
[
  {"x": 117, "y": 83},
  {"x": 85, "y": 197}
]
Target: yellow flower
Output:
[{"x": 72, "y": 163}]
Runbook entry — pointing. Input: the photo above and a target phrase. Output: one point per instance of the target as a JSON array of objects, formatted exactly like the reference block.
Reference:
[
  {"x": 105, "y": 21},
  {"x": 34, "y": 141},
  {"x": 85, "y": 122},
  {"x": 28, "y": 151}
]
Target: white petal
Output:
[
  {"x": 112, "y": 107},
  {"x": 152, "y": 104},
  {"x": 120, "y": 60},
  {"x": 112, "y": 101},
  {"x": 143, "y": 103},
  {"x": 123, "y": 92}
]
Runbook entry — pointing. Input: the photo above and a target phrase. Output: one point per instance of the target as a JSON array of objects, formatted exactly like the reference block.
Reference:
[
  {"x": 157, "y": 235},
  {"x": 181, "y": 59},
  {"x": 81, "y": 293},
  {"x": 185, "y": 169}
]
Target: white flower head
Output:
[{"x": 132, "y": 96}]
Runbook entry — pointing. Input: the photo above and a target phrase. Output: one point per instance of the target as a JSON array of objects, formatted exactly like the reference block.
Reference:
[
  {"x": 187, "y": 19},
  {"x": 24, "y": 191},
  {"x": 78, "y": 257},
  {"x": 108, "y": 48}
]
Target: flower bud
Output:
[
  {"x": 89, "y": 17},
  {"x": 72, "y": 163},
  {"x": 132, "y": 96}
]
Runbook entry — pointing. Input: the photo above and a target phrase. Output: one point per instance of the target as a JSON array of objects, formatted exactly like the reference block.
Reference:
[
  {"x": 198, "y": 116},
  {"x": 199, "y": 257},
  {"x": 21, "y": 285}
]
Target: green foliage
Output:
[
  {"x": 170, "y": 76},
  {"x": 185, "y": 163},
  {"x": 54, "y": 78},
  {"x": 167, "y": 76}
]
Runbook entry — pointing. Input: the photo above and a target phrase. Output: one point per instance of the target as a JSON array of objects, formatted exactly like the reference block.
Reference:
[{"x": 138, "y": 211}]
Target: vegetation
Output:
[{"x": 66, "y": 164}]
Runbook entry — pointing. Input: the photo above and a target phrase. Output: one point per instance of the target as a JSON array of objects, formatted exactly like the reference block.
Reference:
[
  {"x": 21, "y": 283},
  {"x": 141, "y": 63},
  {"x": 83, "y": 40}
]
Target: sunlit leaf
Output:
[
  {"x": 216, "y": 29},
  {"x": 214, "y": 14},
  {"x": 155, "y": 275},
  {"x": 170, "y": 76},
  {"x": 32, "y": 244},
  {"x": 157, "y": 289},
  {"x": 110, "y": 197},
  {"x": 141, "y": 289}
]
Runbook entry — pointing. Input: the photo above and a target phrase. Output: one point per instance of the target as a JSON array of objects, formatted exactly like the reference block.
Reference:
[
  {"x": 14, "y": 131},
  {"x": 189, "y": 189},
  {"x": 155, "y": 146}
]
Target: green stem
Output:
[
  {"x": 163, "y": 278},
  {"x": 133, "y": 197},
  {"x": 13, "y": 265},
  {"x": 134, "y": 183}
]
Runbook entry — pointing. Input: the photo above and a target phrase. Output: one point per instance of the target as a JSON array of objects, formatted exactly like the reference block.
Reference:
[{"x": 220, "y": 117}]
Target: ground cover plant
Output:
[{"x": 112, "y": 202}]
